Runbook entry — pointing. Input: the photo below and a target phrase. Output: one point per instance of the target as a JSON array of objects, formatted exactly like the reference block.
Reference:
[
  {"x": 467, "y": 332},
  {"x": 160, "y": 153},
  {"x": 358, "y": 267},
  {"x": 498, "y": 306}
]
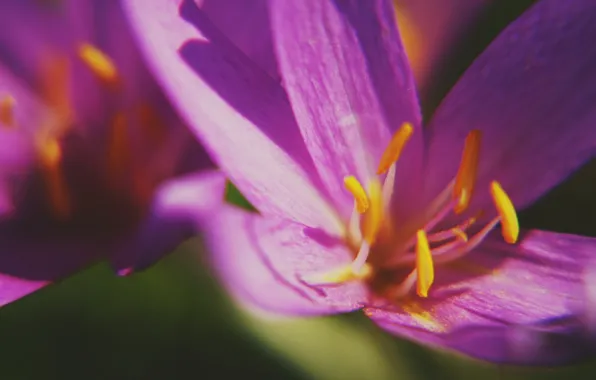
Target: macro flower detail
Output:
[
  {"x": 90, "y": 149},
  {"x": 360, "y": 205}
]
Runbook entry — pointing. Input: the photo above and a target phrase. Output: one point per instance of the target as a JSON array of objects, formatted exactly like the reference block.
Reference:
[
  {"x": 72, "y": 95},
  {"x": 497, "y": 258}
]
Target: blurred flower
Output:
[
  {"x": 88, "y": 146},
  {"x": 430, "y": 27},
  {"x": 409, "y": 242}
]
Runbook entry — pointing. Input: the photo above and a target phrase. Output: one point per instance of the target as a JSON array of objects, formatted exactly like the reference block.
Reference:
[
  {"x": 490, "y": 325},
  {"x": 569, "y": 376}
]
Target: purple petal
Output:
[
  {"x": 264, "y": 262},
  {"x": 239, "y": 112},
  {"x": 523, "y": 304},
  {"x": 178, "y": 206},
  {"x": 530, "y": 93},
  {"x": 247, "y": 25},
  {"x": 29, "y": 31},
  {"x": 349, "y": 81}
]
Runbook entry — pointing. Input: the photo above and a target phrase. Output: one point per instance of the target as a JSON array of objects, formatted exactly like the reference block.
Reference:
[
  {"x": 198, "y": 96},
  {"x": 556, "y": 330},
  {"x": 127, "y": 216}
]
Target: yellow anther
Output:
[
  {"x": 341, "y": 275},
  {"x": 99, "y": 63},
  {"x": 395, "y": 147},
  {"x": 424, "y": 265},
  {"x": 466, "y": 175},
  {"x": 7, "y": 103},
  {"x": 360, "y": 198},
  {"x": 373, "y": 218},
  {"x": 506, "y": 210},
  {"x": 460, "y": 234}
]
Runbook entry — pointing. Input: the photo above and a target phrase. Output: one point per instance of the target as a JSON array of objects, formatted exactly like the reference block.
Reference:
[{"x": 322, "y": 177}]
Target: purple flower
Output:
[
  {"x": 411, "y": 240},
  {"x": 90, "y": 150}
]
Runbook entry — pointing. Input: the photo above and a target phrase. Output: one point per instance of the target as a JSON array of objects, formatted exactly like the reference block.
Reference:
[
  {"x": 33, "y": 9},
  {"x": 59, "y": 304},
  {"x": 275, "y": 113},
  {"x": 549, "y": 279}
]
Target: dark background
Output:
[{"x": 173, "y": 322}]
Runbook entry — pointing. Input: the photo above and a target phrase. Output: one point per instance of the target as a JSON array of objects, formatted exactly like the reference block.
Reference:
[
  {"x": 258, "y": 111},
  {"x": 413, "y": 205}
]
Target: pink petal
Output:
[
  {"x": 238, "y": 111},
  {"x": 522, "y": 304},
  {"x": 350, "y": 84},
  {"x": 530, "y": 93},
  {"x": 264, "y": 262}
]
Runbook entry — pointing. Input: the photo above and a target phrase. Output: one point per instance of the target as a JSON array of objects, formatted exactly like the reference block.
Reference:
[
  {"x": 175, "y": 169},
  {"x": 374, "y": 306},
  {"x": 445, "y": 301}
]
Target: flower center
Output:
[{"x": 418, "y": 245}]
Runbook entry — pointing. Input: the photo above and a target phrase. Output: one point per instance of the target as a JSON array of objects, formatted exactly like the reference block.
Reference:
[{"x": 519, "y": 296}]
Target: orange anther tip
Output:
[
  {"x": 99, "y": 63},
  {"x": 466, "y": 174},
  {"x": 395, "y": 147}
]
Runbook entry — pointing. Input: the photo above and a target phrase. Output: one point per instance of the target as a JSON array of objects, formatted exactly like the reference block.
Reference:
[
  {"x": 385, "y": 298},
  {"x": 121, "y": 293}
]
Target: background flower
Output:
[{"x": 89, "y": 146}]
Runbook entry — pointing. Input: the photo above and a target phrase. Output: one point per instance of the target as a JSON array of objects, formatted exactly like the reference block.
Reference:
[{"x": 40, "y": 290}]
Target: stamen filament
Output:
[
  {"x": 360, "y": 198},
  {"x": 466, "y": 174},
  {"x": 118, "y": 155},
  {"x": 450, "y": 251},
  {"x": 50, "y": 155},
  {"x": 506, "y": 210},
  {"x": 55, "y": 87},
  {"x": 361, "y": 257},
  {"x": 7, "y": 103},
  {"x": 388, "y": 185},
  {"x": 406, "y": 285},
  {"x": 99, "y": 63},
  {"x": 424, "y": 265},
  {"x": 456, "y": 231},
  {"x": 456, "y": 250},
  {"x": 354, "y": 226},
  {"x": 395, "y": 147}
]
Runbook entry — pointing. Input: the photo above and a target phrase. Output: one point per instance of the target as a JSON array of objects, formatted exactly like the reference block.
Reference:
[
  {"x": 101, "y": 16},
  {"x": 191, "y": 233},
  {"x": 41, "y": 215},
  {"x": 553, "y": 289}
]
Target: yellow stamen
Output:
[
  {"x": 50, "y": 155},
  {"x": 395, "y": 147},
  {"x": 118, "y": 154},
  {"x": 99, "y": 63},
  {"x": 466, "y": 175},
  {"x": 361, "y": 200},
  {"x": 460, "y": 234},
  {"x": 342, "y": 274},
  {"x": 374, "y": 216},
  {"x": 506, "y": 210},
  {"x": 7, "y": 103},
  {"x": 424, "y": 265}
]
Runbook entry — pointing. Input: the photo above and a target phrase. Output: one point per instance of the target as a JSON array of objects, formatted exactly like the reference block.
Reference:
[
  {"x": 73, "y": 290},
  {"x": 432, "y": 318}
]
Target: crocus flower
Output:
[
  {"x": 88, "y": 147},
  {"x": 360, "y": 206}
]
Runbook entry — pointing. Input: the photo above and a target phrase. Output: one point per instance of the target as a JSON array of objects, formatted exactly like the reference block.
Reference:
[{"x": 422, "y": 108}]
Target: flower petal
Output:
[
  {"x": 238, "y": 111},
  {"x": 524, "y": 304},
  {"x": 349, "y": 81},
  {"x": 172, "y": 218},
  {"x": 264, "y": 262},
  {"x": 247, "y": 25},
  {"x": 530, "y": 93}
]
